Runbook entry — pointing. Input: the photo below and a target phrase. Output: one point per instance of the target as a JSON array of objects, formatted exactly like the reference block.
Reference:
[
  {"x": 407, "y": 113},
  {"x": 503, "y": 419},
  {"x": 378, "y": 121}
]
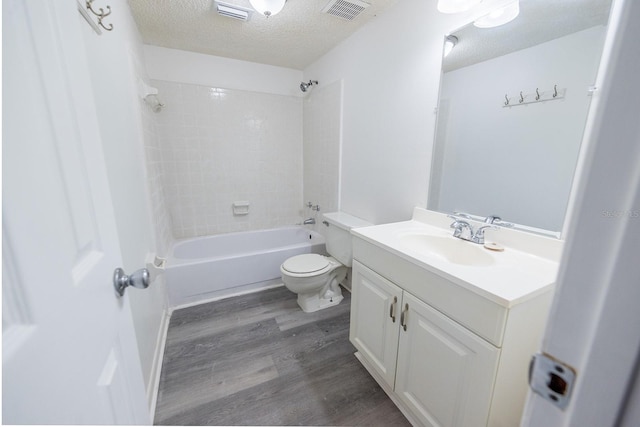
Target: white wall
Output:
[
  {"x": 391, "y": 73},
  {"x": 517, "y": 162},
  {"x": 206, "y": 70},
  {"x": 113, "y": 60}
]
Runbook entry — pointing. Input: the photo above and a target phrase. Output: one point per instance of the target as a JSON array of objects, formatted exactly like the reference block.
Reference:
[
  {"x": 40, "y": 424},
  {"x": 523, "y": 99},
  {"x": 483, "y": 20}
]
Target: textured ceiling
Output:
[
  {"x": 294, "y": 38},
  {"x": 539, "y": 21}
]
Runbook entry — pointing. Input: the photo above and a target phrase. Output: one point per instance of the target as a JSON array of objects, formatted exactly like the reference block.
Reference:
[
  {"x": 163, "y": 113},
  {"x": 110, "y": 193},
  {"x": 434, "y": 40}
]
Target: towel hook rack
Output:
[
  {"x": 101, "y": 14},
  {"x": 532, "y": 97}
]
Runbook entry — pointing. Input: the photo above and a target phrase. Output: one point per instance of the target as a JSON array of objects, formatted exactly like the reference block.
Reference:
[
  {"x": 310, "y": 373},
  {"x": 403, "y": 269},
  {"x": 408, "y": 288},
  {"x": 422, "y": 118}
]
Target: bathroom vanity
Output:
[{"x": 445, "y": 326}]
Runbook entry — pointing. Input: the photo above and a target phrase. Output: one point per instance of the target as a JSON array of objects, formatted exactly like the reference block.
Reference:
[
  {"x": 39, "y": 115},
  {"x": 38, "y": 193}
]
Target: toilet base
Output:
[{"x": 313, "y": 302}]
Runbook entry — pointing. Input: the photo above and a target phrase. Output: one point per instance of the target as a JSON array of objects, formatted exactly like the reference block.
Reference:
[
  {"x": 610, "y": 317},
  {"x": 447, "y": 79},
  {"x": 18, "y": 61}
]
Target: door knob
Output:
[{"x": 139, "y": 279}]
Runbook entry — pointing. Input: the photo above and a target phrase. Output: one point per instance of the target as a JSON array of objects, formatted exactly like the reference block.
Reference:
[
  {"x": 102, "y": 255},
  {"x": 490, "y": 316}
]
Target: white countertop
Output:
[{"x": 518, "y": 273}]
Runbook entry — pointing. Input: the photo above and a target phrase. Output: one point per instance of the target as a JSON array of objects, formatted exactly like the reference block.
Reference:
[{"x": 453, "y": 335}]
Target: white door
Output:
[
  {"x": 69, "y": 352},
  {"x": 375, "y": 316},
  {"x": 594, "y": 321},
  {"x": 445, "y": 372}
]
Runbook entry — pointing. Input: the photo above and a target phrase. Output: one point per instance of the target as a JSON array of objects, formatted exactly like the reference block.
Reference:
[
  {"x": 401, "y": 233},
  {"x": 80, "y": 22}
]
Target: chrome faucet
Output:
[
  {"x": 496, "y": 220},
  {"x": 309, "y": 221},
  {"x": 492, "y": 218},
  {"x": 478, "y": 236},
  {"x": 463, "y": 230}
]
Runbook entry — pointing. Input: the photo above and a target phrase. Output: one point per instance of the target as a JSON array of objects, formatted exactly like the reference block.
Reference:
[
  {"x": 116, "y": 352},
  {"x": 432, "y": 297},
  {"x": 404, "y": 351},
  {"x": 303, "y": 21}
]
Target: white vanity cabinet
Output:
[
  {"x": 446, "y": 356},
  {"x": 375, "y": 320},
  {"x": 441, "y": 371},
  {"x": 445, "y": 373}
]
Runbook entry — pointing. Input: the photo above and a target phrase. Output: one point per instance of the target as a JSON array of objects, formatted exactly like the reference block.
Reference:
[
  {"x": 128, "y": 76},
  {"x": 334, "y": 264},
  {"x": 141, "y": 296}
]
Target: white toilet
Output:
[{"x": 315, "y": 278}]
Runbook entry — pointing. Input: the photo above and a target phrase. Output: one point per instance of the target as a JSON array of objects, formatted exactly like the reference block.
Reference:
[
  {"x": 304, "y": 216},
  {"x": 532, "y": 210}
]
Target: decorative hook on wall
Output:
[
  {"x": 101, "y": 14},
  {"x": 534, "y": 97}
]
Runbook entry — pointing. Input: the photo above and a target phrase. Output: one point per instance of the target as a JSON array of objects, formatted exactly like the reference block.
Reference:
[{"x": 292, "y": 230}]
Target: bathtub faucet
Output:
[{"x": 309, "y": 221}]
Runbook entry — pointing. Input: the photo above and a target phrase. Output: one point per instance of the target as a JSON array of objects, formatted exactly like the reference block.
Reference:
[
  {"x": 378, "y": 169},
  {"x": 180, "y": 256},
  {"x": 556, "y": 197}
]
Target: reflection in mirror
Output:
[{"x": 512, "y": 111}]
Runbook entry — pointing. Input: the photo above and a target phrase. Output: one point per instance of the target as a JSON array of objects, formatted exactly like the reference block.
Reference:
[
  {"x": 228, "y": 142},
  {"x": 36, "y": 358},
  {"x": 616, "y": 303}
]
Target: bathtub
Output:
[{"x": 205, "y": 268}]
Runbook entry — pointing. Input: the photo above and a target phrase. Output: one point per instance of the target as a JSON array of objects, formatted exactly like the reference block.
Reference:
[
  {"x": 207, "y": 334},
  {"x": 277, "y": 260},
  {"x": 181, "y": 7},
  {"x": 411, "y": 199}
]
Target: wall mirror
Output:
[{"x": 512, "y": 111}]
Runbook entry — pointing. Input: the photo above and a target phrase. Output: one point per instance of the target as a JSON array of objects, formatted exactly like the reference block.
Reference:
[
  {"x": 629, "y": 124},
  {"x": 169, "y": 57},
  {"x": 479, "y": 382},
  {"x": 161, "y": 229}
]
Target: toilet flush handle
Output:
[{"x": 326, "y": 223}]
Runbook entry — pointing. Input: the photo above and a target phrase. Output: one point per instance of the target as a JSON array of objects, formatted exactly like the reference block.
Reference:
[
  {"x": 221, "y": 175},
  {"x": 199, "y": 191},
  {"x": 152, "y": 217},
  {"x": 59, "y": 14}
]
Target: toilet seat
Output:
[{"x": 306, "y": 265}]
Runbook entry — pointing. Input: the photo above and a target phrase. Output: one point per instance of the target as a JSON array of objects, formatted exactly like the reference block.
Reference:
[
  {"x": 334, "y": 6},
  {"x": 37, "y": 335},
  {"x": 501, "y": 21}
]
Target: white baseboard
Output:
[{"x": 156, "y": 368}]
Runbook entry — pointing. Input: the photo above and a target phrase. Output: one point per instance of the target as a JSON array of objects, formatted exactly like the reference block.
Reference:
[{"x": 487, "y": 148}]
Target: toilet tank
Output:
[{"x": 337, "y": 233}]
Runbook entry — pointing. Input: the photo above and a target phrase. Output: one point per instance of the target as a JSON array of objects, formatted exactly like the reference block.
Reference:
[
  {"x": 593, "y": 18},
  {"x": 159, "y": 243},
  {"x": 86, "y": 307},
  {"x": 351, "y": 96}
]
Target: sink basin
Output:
[{"x": 456, "y": 251}]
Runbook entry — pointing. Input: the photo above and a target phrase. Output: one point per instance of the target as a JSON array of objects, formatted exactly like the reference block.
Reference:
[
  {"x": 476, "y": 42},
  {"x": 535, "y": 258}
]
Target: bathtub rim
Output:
[{"x": 173, "y": 261}]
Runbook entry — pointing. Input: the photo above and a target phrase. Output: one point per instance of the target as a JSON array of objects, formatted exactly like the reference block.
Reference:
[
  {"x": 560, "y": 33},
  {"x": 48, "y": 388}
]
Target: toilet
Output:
[{"x": 316, "y": 278}]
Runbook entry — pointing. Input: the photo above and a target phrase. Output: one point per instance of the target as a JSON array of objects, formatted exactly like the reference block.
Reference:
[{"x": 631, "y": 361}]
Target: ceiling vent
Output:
[
  {"x": 232, "y": 11},
  {"x": 345, "y": 9}
]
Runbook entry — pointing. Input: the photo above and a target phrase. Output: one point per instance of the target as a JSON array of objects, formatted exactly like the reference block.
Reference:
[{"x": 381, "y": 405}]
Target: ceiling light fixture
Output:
[
  {"x": 268, "y": 7},
  {"x": 499, "y": 16},
  {"x": 456, "y": 6},
  {"x": 449, "y": 43}
]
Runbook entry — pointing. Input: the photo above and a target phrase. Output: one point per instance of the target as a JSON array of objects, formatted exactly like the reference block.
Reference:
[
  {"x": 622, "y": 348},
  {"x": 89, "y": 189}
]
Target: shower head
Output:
[{"x": 304, "y": 86}]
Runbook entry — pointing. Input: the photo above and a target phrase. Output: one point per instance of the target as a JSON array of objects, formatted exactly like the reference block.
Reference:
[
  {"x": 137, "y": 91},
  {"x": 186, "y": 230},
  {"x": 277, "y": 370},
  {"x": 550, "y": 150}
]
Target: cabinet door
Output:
[
  {"x": 445, "y": 372},
  {"x": 375, "y": 316}
]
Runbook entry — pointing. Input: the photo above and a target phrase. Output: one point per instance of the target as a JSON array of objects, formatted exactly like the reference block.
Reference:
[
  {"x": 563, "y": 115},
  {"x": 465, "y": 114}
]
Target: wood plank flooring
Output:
[{"x": 258, "y": 359}]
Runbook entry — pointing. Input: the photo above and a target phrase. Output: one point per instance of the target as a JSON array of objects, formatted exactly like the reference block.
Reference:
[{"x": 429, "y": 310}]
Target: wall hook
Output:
[
  {"x": 506, "y": 102},
  {"x": 555, "y": 90},
  {"x": 101, "y": 14},
  {"x": 521, "y": 98},
  {"x": 537, "y": 95}
]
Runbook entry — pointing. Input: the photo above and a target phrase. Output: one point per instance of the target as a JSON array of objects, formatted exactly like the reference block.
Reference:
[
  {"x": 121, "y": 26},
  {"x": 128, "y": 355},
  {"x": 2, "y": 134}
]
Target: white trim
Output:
[
  {"x": 340, "y": 144},
  {"x": 156, "y": 367}
]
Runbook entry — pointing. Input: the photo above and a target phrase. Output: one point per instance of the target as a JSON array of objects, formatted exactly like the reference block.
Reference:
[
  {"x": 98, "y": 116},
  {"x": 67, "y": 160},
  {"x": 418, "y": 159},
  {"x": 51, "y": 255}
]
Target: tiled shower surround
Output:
[
  {"x": 218, "y": 146},
  {"x": 162, "y": 221},
  {"x": 322, "y": 130}
]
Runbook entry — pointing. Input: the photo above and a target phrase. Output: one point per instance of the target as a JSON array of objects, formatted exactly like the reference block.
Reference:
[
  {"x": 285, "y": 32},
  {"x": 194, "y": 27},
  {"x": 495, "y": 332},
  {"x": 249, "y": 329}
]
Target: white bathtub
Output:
[{"x": 204, "y": 268}]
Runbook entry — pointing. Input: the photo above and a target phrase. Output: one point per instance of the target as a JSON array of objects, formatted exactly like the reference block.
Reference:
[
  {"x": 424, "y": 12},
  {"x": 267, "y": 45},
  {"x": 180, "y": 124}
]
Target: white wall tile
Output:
[
  {"x": 322, "y": 126},
  {"x": 220, "y": 145}
]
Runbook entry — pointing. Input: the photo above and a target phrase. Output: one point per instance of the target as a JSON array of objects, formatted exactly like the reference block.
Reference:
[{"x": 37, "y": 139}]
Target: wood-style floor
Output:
[{"x": 257, "y": 359}]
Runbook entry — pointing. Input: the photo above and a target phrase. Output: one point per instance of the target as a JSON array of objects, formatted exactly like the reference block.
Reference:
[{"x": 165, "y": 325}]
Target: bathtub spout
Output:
[{"x": 309, "y": 221}]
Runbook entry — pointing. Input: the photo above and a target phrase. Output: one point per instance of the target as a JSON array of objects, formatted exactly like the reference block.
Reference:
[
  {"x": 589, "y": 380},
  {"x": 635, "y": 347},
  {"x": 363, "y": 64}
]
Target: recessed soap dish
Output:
[{"x": 241, "y": 208}]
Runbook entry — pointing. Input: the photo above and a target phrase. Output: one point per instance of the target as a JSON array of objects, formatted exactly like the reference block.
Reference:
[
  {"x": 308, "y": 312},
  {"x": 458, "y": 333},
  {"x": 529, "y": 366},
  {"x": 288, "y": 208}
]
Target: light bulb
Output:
[{"x": 268, "y": 7}]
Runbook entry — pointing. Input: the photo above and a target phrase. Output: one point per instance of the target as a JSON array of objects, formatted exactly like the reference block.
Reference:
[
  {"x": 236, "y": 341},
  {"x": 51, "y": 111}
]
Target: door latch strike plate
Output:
[{"x": 551, "y": 379}]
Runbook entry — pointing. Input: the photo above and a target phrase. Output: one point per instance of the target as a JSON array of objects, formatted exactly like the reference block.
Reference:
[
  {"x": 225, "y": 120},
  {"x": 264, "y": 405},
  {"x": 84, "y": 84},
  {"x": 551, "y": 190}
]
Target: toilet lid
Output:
[{"x": 307, "y": 263}]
